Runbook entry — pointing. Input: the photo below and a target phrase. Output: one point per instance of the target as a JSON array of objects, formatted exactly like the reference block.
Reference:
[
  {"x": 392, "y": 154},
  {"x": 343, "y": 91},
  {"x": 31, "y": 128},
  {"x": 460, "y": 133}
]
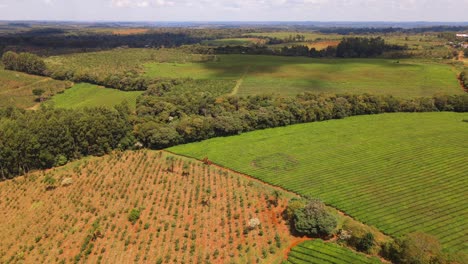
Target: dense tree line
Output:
[
  {"x": 33, "y": 64},
  {"x": 464, "y": 79},
  {"x": 51, "y": 137},
  {"x": 347, "y": 48},
  {"x": 24, "y": 62},
  {"x": 376, "y": 30},
  {"x": 174, "y": 119},
  {"x": 363, "y": 47},
  {"x": 57, "y": 40}
]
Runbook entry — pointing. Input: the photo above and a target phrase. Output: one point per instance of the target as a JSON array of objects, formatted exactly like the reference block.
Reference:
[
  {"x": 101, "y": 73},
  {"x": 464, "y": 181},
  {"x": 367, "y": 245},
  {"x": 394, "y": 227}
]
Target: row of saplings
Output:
[{"x": 310, "y": 217}]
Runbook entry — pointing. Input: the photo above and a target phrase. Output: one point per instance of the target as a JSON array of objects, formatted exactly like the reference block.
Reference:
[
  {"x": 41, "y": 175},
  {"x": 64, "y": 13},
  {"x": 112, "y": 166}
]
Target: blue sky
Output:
[{"x": 235, "y": 10}]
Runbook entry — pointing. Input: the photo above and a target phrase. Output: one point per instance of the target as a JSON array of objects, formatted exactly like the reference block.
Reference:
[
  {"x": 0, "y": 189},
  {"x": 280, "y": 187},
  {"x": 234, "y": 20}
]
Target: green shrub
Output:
[
  {"x": 314, "y": 220},
  {"x": 134, "y": 215}
]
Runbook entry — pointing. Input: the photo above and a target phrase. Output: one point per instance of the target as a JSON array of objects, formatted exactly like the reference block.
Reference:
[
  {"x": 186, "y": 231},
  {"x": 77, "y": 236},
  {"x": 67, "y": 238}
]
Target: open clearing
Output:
[
  {"x": 88, "y": 95},
  {"x": 293, "y": 75},
  {"x": 190, "y": 213},
  {"x": 398, "y": 172},
  {"x": 16, "y": 88},
  {"x": 318, "y": 252}
]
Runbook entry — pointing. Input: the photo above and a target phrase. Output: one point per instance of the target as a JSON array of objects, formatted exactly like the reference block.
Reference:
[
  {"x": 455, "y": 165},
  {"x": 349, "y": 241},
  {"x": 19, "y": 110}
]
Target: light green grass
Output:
[
  {"x": 293, "y": 75},
  {"x": 16, "y": 88},
  {"x": 398, "y": 172},
  {"x": 309, "y": 36},
  {"x": 318, "y": 252},
  {"x": 88, "y": 95},
  {"x": 229, "y": 41}
]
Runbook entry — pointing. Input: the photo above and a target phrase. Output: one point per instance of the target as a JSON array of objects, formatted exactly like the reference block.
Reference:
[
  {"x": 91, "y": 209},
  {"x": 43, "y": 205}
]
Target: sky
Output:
[{"x": 235, "y": 10}]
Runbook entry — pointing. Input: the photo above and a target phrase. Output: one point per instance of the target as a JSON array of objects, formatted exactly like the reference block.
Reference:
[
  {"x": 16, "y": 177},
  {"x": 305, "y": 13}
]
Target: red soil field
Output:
[{"x": 191, "y": 212}]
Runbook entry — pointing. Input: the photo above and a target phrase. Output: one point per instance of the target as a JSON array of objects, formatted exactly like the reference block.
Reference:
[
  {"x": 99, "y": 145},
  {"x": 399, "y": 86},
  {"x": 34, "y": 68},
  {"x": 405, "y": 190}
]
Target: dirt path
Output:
[
  {"x": 296, "y": 242},
  {"x": 239, "y": 82}
]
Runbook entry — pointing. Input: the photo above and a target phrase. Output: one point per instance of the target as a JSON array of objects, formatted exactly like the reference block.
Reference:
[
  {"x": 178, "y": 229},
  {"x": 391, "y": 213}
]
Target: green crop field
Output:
[
  {"x": 88, "y": 95},
  {"x": 117, "y": 61},
  {"x": 292, "y": 75},
  {"x": 309, "y": 36},
  {"x": 399, "y": 172},
  {"x": 231, "y": 41},
  {"x": 318, "y": 252},
  {"x": 16, "y": 88}
]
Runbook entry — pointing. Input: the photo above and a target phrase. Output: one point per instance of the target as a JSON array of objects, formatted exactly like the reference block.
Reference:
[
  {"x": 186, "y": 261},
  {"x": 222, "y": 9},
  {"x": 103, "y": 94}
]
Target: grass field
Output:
[
  {"x": 117, "y": 61},
  {"x": 233, "y": 41},
  {"x": 309, "y": 36},
  {"x": 318, "y": 252},
  {"x": 16, "y": 88},
  {"x": 398, "y": 172},
  {"x": 293, "y": 75},
  {"x": 189, "y": 213},
  {"x": 88, "y": 95}
]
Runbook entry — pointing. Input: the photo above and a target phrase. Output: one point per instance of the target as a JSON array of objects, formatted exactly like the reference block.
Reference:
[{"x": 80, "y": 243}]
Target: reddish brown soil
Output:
[{"x": 185, "y": 218}]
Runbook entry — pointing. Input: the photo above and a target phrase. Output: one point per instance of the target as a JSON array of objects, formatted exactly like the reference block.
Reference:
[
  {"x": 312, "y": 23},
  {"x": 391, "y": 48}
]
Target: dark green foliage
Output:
[
  {"x": 50, "y": 137},
  {"x": 186, "y": 117},
  {"x": 366, "y": 243},
  {"x": 134, "y": 215},
  {"x": 24, "y": 62},
  {"x": 464, "y": 79},
  {"x": 314, "y": 220},
  {"x": 348, "y": 48},
  {"x": 10, "y": 60},
  {"x": 38, "y": 92}
]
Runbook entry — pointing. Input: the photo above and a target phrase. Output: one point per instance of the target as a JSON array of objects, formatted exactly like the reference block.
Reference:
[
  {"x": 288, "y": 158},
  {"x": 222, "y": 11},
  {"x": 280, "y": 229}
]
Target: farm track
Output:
[{"x": 239, "y": 82}]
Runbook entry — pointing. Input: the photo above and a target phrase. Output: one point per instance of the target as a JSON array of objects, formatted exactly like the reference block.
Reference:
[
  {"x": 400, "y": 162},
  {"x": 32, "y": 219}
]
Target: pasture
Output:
[
  {"x": 233, "y": 41},
  {"x": 89, "y": 95},
  {"x": 293, "y": 75},
  {"x": 318, "y": 252},
  {"x": 398, "y": 172},
  {"x": 117, "y": 61},
  {"x": 188, "y": 212},
  {"x": 16, "y": 88}
]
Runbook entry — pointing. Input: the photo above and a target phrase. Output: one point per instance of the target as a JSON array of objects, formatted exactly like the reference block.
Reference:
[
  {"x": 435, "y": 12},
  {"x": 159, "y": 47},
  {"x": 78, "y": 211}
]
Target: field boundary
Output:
[
  {"x": 239, "y": 82},
  {"x": 274, "y": 187},
  {"x": 298, "y": 240}
]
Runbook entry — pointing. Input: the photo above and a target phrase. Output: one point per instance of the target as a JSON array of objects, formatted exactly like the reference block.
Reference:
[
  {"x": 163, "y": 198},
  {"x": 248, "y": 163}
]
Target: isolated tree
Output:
[
  {"x": 314, "y": 220},
  {"x": 134, "y": 215}
]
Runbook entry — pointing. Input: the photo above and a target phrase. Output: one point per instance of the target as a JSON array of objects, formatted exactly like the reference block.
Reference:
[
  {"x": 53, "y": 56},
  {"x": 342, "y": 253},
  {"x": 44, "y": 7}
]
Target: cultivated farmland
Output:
[
  {"x": 318, "y": 252},
  {"x": 117, "y": 61},
  {"x": 398, "y": 172},
  {"x": 182, "y": 210},
  {"x": 293, "y": 75},
  {"x": 88, "y": 95},
  {"x": 16, "y": 88}
]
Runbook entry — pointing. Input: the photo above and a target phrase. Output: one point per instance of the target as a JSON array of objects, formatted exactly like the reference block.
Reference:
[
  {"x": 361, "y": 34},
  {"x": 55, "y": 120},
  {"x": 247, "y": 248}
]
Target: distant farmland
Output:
[
  {"x": 88, "y": 95},
  {"x": 398, "y": 172},
  {"x": 292, "y": 75}
]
